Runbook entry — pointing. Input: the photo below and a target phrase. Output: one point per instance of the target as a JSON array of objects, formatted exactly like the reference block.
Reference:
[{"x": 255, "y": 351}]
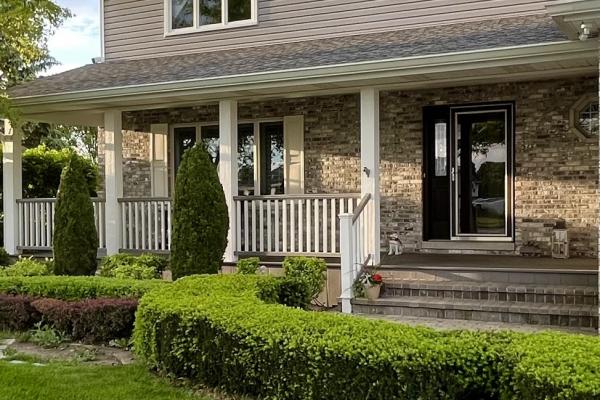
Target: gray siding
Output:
[{"x": 135, "y": 28}]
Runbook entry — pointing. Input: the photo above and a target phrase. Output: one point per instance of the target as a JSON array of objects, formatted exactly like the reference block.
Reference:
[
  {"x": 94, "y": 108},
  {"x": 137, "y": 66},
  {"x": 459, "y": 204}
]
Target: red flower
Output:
[{"x": 376, "y": 278}]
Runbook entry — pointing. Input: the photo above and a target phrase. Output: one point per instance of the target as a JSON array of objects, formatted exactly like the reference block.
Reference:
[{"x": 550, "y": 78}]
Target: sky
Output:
[{"x": 77, "y": 41}]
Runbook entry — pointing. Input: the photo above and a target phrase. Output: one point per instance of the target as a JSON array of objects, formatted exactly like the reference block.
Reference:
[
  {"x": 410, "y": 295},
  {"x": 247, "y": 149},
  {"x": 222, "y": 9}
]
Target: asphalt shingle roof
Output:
[{"x": 460, "y": 37}]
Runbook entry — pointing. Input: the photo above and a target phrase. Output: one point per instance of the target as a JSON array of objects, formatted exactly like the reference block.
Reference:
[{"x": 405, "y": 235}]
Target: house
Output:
[{"x": 469, "y": 129}]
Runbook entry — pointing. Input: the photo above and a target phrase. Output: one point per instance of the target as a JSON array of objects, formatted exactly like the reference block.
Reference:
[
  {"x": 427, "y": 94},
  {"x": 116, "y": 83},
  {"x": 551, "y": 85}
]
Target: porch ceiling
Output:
[{"x": 530, "y": 47}]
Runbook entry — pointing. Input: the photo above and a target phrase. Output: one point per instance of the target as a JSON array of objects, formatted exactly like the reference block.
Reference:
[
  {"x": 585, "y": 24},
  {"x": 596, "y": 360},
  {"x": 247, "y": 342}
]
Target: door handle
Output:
[{"x": 452, "y": 174}]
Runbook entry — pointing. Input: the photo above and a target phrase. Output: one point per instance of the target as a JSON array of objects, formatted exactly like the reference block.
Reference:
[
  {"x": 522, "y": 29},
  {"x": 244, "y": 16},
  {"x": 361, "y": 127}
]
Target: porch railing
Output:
[
  {"x": 36, "y": 223},
  {"x": 146, "y": 224},
  {"x": 357, "y": 247},
  {"x": 286, "y": 224}
]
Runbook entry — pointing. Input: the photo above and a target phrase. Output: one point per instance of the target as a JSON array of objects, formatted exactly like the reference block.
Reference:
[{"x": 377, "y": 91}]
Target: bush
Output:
[
  {"x": 17, "y": 313},
  {"x": 288, "y": 291},
  {"x": 4, "y": 257},
  {"x": 91, "y": 321},
  {"x": 311, "y": 270},
  {"x": 76, "y": 288},
  {"x": 135, "y": 271},
  {"x": 27, "y": 267},
  {"x": 124, "y": 266},
  {"x": 75, "y": 236},
  {"x": 200, "y": 217},
  {"x": 216, "y": 331},
  {"x": 248, "y": 266},
  {"x": 42, "y": 169}
]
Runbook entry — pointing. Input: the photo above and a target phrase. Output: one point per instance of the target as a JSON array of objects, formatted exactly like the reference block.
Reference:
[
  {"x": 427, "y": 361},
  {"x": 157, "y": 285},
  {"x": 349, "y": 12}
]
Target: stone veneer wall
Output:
[{"x": 556, "y": 172}]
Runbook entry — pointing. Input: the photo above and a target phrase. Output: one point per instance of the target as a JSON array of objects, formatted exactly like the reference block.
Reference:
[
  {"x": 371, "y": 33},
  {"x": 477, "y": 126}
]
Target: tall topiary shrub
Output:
[
  {"x": 75, "y": 236},
  {"x": 200, "y": 218}
]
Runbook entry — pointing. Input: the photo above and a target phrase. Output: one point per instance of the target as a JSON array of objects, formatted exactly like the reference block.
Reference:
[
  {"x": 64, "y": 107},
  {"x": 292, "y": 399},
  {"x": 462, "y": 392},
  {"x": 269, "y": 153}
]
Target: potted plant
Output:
[{"x": 372, "y": 282}]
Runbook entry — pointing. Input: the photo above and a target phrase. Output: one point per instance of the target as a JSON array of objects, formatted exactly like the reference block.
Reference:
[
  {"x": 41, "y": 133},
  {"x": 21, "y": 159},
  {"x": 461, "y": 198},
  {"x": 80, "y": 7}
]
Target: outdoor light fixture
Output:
[{"x": 584, "y": 34}]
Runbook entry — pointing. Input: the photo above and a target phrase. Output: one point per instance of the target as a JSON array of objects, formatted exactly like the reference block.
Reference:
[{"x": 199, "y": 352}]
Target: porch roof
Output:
[{"x": 383, "y": 46}]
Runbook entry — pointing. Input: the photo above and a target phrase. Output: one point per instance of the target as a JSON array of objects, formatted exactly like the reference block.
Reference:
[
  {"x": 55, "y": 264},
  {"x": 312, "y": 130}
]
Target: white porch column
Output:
[
  {"x": 113, "y": 178},
  {"x": 228, "y": 167},
  {"x": 12, "y": 185},
  {"x": 369, "y": 154}
]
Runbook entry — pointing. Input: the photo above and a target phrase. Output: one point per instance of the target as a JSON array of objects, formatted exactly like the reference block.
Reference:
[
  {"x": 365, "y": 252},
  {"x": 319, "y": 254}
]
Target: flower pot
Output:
[{"x": 373, "y": 291}]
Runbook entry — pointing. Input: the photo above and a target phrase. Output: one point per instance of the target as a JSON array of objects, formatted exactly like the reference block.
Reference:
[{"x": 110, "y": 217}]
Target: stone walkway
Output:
[{"x": 452, "y": 324}]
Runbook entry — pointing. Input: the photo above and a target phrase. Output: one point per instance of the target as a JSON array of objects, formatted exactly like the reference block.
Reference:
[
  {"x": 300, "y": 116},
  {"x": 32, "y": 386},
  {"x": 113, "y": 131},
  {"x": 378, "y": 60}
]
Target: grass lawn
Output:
[{"x": 57, "y": 381}]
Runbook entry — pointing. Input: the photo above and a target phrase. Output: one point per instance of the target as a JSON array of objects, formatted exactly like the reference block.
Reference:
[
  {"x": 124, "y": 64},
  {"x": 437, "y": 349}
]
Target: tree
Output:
[
  {"x": 200, "y": 216},
  {"x": 75, "y": 236},
  {"x": 24, "y": 28}
]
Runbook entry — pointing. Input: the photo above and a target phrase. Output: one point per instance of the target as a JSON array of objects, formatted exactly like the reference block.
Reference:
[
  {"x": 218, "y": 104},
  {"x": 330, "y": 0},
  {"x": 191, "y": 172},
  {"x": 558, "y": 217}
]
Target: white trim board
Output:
[{"x": 334, "y": 75}]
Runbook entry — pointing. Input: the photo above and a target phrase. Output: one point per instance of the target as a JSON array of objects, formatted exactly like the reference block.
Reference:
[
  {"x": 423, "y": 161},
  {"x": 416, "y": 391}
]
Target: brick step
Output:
[
  {"x": 580, "y": 316},
  {"x": 493, "y": 291}
]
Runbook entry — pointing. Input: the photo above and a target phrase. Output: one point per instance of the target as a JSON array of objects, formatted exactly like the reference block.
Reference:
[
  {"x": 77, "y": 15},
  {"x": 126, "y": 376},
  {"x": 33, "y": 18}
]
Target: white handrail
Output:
[
  {"x": 36, "y": 223},
  {"x": 291, "y": 224},
  {"x": 356, "y": 247},
  {"x": 146, "y": 224}
]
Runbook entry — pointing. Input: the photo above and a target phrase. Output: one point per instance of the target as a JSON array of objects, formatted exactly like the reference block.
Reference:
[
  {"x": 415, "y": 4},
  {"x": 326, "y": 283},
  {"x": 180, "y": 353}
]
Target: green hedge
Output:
[
  {"x": 76, "y": 287},
  {"x": 216, "y": 331}
]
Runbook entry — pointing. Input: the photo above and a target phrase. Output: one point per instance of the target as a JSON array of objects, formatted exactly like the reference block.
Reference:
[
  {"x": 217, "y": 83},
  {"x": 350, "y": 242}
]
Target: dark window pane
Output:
[
  {"x": 482, "y": 173},
  {"x": 239, "y": 10},
  {"x": 210, "y": 12},
  {"x": 210, "y": 140},
  {"x": 185, "y": 138},
  {"x": 246, "y": 159},
  {"x": 182, "y": 14},
  {"x": 271, "y": 142}
]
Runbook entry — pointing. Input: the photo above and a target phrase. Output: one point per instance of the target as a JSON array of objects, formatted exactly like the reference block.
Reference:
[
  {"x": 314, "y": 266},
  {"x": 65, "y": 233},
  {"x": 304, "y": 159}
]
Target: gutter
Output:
[{"x": 341, "y": 73}]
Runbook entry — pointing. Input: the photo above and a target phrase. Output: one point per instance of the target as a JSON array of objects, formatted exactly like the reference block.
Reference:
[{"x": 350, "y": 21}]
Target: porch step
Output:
[
  {"x": 564, "y": 315},
  {"x": 493, "y": 291}
]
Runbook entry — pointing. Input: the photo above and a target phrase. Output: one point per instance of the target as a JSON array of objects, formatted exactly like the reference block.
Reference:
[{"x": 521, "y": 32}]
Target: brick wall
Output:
[
  {"x": 136, "y": 163},
  {"x": 556, "y": 171}
]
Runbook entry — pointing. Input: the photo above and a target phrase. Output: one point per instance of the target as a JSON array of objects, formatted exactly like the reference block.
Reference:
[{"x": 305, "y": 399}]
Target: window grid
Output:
[{"x": 589, "y": 119}]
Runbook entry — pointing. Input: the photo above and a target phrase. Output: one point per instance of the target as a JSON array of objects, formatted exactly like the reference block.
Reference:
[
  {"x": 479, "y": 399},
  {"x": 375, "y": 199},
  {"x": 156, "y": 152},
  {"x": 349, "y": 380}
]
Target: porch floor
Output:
[{"x": 487, "y": 262}]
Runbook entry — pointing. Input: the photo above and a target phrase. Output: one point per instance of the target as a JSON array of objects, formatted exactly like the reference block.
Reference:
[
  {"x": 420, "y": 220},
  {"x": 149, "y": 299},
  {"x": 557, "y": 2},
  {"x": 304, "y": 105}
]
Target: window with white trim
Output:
[{"x": 198, "y": 15}]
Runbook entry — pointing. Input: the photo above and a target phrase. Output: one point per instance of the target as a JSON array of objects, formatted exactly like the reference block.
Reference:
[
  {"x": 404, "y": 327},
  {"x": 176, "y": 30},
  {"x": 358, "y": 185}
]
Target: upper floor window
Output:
[{"x": 198, "y": 15}]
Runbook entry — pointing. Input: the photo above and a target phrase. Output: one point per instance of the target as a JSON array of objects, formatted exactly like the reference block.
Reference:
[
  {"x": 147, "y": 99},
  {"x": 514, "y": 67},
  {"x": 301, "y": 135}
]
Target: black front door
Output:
[{"x": 468, "y": 172}]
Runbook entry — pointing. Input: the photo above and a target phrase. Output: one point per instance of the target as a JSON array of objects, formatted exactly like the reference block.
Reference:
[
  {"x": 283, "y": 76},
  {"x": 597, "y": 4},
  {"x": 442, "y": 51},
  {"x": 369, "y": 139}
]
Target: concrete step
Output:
[
  {"x": 531, "y": 276},
  {"x": 493, "y": 291},
  {"x": 566, "y": 315}
]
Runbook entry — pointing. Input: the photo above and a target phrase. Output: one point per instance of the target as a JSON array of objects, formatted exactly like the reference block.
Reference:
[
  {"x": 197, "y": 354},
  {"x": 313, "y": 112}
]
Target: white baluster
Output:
[
  {"x": 277, "y": 222},
  {"x": 262, "y": 225},
  {"x": 269, "y": 239}
]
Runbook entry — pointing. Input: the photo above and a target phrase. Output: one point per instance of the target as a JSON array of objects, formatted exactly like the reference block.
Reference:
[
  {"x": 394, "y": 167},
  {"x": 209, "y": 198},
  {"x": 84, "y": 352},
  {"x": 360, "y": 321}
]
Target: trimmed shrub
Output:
[
  {"x": 312, "y": 270},
  {"x": 216, "y": 331},
  {"x": 135, "y": 271},
  {"x": 42, "y": 169},
  {"x": 288, "y": 291},
  {"x": 75, "y": 236},
  {"x": 200, "y": 217},
  {"x": 17, "y": 313},
  {"x": 77, "y": 287},
  {"x": 127, "y": 266},
  {"x": 4, "y": 257},
  {"x": 91, "y": 321},
  {"x": 27, "y": 267},
  {"x": 248, "y": 266}
]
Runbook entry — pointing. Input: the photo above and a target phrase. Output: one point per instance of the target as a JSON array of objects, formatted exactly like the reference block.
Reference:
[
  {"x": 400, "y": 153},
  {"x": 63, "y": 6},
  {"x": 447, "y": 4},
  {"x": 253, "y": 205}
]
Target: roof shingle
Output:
[{"x": 460, "y": 37}]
